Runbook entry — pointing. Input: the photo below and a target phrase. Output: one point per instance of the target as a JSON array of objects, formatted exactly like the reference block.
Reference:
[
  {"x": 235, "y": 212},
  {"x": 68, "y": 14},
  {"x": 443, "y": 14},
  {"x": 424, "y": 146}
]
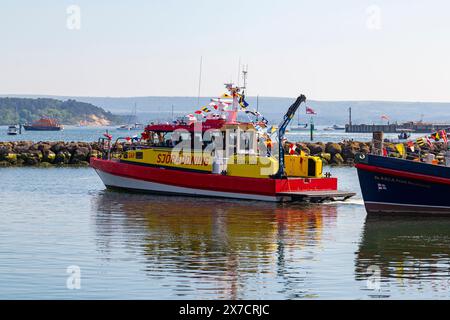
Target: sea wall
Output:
[{"x": 28, "y": 153}]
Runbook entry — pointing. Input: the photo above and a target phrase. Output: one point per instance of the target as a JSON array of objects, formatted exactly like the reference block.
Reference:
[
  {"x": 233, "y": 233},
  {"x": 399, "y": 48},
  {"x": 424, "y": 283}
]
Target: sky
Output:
[{"x": 396, "y": 50}]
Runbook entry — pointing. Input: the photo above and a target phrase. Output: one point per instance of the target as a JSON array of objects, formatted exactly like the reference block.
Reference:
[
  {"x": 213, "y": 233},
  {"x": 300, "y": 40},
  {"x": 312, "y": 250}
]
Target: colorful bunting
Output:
[
  {"x": 444, "y": 136},
  {"x": 242, "y": 102}
]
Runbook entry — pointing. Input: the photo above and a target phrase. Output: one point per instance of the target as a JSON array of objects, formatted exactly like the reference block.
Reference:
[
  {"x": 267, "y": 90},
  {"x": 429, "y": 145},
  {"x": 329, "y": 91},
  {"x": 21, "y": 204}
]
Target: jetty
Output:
[
  {"x": 411, "y": 126},
  {"x": 417, "y": 127}
]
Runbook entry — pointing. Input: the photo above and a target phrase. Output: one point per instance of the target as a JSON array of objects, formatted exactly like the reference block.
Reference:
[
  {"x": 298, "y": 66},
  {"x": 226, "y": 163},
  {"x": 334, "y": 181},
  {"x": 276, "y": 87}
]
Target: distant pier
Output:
[
  {"x": 412, "y": 126},
  {"x": 418, "y": 127}
]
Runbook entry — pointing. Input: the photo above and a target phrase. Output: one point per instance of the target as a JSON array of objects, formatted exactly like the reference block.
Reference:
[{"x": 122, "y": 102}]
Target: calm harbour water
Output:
[{"x": 134, "y": 246}]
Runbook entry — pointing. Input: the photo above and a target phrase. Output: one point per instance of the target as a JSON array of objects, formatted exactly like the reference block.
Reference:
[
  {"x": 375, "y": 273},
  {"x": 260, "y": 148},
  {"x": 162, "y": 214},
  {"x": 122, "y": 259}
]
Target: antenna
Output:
[
  {"x": 239, "y": 73},
  {"x": 244, "y": 76},
  {"x": 199, "y": 81}
]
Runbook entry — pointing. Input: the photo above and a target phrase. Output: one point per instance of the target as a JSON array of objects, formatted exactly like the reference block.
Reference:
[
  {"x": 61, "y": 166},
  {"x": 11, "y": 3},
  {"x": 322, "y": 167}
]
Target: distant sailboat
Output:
[
  {"x": 300, "y": 126},
  {"x": 132, "y": 118}
]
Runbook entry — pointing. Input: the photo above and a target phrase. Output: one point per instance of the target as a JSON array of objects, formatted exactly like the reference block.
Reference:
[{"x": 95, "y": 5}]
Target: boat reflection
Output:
[
  {"x": 219, "y": 244},
  {"x": 408, "y": 252}
]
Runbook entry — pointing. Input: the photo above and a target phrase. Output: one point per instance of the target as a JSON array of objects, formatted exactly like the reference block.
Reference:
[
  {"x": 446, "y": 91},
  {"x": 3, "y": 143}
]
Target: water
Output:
[
  {"x": 131, "y": 246},
  {"x": 90, "y": 134},
  {"x": 70, "y": 133},
  {"x": 141, "y": 246}
]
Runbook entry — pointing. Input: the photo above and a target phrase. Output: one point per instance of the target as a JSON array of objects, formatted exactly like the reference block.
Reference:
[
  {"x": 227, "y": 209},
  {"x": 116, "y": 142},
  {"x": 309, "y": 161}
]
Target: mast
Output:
[
  {"x": 199, "y": 81},
  {"x": 257, "y": 107}
]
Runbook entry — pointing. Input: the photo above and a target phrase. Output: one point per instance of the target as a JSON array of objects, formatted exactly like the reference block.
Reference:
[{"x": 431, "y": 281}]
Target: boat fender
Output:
[{"x": 360, "y": 157}]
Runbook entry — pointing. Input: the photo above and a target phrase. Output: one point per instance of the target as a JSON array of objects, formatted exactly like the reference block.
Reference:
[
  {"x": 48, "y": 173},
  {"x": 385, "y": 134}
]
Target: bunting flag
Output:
[
  {"x": 108, "y": 136},
  {"x": 421, "y": 142},
  {"x": 198, "y": 112},
  {"x": 384, "y": 117},
  {"x": 444, "y": 136},
  {"x": 411, "y": 146},
  {"x": 242, "y": 102},
  {"x": 226, "y": 96},
  {"x": 292, "y": 148},
  {"x": 428, "y": 141},
  {"x": 435, "y": 136},
  {"x": 310, "y": 110},
  {"x": 401, "y": 149},
  {"x": 273, "y": 129},
  {"x": 205, "y": 109}
]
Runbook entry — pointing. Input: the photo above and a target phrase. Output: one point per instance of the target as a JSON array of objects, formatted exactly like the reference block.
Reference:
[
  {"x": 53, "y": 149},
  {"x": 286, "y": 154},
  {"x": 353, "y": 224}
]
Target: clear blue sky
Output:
[{"x": 324, "y": 49}]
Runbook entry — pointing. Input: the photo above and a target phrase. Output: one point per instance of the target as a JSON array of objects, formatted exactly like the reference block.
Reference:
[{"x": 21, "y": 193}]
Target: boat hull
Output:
[
  {"x": 397, "y": 186},
  {"x": 116, "y": 174},
  {"x": 33, "y": 128}
]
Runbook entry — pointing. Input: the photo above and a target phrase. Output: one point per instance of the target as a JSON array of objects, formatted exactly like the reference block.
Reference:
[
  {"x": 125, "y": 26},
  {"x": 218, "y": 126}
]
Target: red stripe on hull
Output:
[
  {"x": 403, "y": 174},
  {"x": 215, "y": 182}
]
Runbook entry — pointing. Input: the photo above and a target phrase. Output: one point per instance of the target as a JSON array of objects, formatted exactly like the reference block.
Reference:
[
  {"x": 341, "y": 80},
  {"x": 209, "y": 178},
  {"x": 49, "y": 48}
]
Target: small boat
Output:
[
  {"x": 394, "y": 185},
  {"x": 13, "y": 130},
  {"x": 124, "y": 127},
  {"x": 328, "y": 129},
  {"x": 301, "y": 127},
  {"x": 338, "y": 127},
  {"x": 404, "y": 134},
  {"x": 44, "y": 124},
  {"x": 131, "y": 119},
  {"x": 156, "y": 164}
]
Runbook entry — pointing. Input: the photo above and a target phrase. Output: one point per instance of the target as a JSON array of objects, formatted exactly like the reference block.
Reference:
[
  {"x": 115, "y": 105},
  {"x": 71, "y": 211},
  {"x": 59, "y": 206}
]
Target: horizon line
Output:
[{"x": 209, "y": 97}]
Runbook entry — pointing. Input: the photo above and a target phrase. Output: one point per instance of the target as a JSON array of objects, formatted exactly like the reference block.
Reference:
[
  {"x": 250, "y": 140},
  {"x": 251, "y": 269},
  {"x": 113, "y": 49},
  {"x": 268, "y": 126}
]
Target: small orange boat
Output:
[{"x": 44, "y": 124}]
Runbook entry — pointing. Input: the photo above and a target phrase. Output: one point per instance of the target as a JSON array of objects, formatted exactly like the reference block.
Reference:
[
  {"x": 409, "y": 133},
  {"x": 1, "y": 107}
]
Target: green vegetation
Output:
[{"x": 13, "y": 110}]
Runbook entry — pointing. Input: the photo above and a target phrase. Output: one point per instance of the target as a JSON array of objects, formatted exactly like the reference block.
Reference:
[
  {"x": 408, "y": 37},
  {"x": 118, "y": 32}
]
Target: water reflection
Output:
[
  {"x": 216, "y": 246},
  {"x": 411, "y": 253}
]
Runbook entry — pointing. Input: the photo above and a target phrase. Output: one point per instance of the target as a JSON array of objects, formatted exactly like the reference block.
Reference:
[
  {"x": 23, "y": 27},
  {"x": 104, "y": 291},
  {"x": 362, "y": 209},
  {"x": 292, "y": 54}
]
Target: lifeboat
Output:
[{"x": 216, "y": 156}]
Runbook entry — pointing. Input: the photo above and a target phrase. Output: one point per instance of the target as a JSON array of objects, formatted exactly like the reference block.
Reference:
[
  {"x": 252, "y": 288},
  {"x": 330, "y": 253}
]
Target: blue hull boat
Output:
[{"x": 392, "y": 185}]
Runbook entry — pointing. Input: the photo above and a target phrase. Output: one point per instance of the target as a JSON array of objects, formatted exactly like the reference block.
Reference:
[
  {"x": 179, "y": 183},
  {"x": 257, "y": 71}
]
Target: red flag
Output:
[
  {"x": 310, "y": 110},
  {"x": 385, "y": 152},
  {"x": 108, "y": 136},
  {"x": 198, "y": 112},
  {"x": 411, "y": 145},
  {"x": 145, "y": 135},
  {"x": 292, "y": 149}
]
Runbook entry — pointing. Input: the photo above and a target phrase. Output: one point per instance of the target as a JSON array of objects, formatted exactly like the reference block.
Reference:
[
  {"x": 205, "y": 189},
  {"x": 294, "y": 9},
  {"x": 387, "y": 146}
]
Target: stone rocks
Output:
[
  {"x": 333, "y": 148},
  {"x": 337, "y": 159},
  {"x": 44, "y": 153},
  {"x": 342, "y": 153},
  {"x": 316, "y": 148}
]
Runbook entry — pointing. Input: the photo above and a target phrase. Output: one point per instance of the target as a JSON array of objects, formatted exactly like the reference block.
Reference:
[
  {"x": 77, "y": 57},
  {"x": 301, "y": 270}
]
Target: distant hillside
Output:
[
  {"x": 273, "y": 108},
  {"x": 13, "y": 110}
]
